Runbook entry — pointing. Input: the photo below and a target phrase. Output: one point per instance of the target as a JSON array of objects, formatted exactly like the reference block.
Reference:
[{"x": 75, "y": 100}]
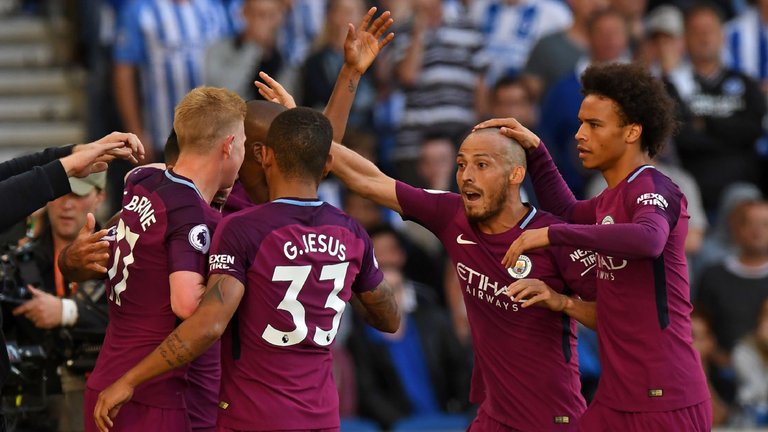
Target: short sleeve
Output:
[
  {"x": 432, "y": 209},
  {"x": 129, "y": 44},
  {"x": 229, "y": 254},
  {"x": 187, "y": 240},
  {"x": 370, "y": 276}
]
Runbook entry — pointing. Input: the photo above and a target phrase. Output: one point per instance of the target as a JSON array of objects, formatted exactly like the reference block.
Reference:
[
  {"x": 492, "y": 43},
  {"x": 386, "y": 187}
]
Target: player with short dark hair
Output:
[
  {"x": 158, "y": 259},
  {"x": 652, "y": 377},
  {"x": 280, "y": 276}
]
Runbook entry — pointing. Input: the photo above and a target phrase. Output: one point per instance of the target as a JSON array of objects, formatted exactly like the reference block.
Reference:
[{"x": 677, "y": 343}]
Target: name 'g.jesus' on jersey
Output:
[{"x": 299, "y": 262}]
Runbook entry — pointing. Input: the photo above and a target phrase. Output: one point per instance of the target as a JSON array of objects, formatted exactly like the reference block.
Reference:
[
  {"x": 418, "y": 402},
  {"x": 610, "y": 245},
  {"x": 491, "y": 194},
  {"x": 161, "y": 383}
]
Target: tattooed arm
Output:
[
  {"x": 378, "y": 308},
  {"x": 189, "y": 340}
]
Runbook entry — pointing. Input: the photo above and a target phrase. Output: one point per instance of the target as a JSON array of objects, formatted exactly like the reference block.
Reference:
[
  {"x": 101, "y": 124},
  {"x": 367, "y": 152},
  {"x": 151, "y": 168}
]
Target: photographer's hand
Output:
[
  {"x": 93, "y": 157},
  {"x": 44, "y": 310}
]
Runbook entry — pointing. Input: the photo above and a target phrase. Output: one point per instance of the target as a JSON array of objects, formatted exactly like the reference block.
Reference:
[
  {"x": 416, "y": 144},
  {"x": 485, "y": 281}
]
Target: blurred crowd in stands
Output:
[{"x": 452, "y": 64}]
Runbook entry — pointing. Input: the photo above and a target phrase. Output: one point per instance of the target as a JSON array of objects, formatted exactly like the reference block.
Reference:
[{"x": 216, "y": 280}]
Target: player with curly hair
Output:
[{"x": 652, "y": 377}]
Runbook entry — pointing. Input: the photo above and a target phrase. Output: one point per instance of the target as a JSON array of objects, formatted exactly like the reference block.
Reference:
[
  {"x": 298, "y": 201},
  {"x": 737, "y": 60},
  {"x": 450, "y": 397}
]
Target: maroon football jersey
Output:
[{"x": 299, "y": 261}]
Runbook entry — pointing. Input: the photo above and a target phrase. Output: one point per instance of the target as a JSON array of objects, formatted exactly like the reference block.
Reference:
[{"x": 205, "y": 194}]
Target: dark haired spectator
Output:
[
  {"x": 556, "y": 54},
  {"x": 716, "y": 365},
  {"x": 319, "y": 72},
  {"x": 440, "y": 68},
  {"x": 731, "y": 292},
  {"x": 437, "y": 165},
  {"x": 750, "y": 359},
  {"x": 721, "y": 111},
  {"x": 234, "y": 63},
  {"x": 419, "y": 370},
  {"x": 560, "y": 107}
]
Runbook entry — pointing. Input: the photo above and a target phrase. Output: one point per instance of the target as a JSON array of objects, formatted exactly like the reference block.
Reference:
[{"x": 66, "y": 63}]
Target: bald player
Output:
[{"x": 526, "y": 368}]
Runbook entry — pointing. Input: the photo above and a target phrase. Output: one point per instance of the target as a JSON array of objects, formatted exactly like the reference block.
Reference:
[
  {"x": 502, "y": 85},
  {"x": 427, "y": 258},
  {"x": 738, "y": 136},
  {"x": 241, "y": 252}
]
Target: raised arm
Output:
[
  {"x": 361, "y": 48},
  {"x": 551, "y": 190},
  {"x": 378, "y": 308},
  {"x": 190, "y": 339}
]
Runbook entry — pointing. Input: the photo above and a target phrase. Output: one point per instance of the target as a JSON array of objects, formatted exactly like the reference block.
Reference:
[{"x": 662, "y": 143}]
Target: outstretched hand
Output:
[
  {"x": 363, "y": 44},
  {"x": 273, "y": 91},
  {"x": 512, "y": 128},
  {"x": 93, "y": 157},
  {"x": 528, "y": 240}
]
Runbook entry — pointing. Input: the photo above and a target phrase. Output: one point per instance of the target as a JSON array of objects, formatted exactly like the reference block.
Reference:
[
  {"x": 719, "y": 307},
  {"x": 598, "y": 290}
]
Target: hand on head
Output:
[{"x": 512, "y": 128}]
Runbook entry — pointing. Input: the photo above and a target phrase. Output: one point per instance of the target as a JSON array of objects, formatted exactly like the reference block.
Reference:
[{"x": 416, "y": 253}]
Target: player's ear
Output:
[
  {"x": 328, "y": 165},
  {"x": 267, "y": 156},
  {"x": 228, "y": 144},
  {"x": 632, "y": 134},
  {"x": 256, "y": 150},
  {"x": 517, "y": 174}
]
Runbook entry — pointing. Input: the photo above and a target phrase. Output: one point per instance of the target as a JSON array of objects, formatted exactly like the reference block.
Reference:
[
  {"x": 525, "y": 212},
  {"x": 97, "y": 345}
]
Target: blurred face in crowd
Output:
[
  {"x": 704, "y": 36},
  {"x": 363, "y": 210},
  {"x": 436, "y": 162},
  {"x": 608, "y": 38},
  {"x": 262, "y": 20},
  {"x": 630, "y": 8},
  {"x": 388, "y": 251},
  {"x": 343, "y": 12},
  {"x": 583, "y": 9},
  {"x": 67, "y": 214},
  {"x": 750, "y": 229},
  {"x": 601, "y": 136},
  {"x": 513, "y": 101},
  {"x": 484, "y": 174},
  {"x": 429, "y": 10}
]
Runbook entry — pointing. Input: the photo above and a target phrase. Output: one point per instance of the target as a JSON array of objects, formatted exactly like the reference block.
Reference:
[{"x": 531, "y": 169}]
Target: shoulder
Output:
[
  {"x": 543, "y": 219},
  {"x": 737, "y": 82},
  {"x": 552, "y": 9},
  {"x": 741, "y": 21},
  {"x": 648, "y": 178}
]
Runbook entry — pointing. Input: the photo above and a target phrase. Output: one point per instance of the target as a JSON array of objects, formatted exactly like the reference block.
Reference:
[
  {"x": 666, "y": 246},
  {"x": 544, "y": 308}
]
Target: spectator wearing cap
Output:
[
  {"x": 664, "y": 47},
  {"x": 57, "y": 304}
]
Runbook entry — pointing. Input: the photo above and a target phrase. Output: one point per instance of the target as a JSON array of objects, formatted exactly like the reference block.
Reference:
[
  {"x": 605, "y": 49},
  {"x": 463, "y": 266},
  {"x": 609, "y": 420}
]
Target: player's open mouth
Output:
[{"x": 472, "y": 196}]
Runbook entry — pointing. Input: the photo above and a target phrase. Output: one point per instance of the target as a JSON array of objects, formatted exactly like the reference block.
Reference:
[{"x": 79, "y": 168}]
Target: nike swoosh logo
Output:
[{"x": 460, "y": 240}]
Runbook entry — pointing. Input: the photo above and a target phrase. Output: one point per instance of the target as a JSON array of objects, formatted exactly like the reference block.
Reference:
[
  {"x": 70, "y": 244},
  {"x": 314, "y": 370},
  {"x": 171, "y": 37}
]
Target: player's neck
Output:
[
  {"x": 202, "y": 172},
  {"x": 282, "y": 188},
  {"x": 618, "y": 171},
  {"x": 509, "y": 217}
]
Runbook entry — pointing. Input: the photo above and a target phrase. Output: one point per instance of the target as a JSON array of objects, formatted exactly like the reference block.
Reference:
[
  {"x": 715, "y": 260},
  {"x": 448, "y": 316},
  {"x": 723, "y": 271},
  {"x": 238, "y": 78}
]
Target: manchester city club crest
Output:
[
  {"x": 522, "y": 268},
  {"x": 200, "y": 238},
  {"x": 608, "y": 220}
]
